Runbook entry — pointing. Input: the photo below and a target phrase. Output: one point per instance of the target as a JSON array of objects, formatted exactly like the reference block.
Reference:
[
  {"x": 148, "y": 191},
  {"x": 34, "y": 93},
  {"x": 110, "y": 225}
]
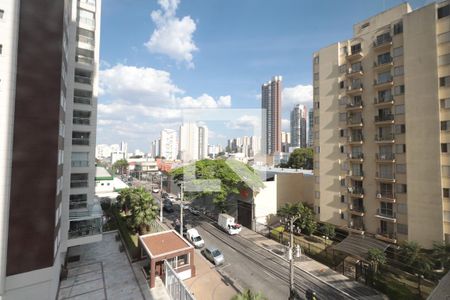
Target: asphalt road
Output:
[{"x": 250, "y": 266}]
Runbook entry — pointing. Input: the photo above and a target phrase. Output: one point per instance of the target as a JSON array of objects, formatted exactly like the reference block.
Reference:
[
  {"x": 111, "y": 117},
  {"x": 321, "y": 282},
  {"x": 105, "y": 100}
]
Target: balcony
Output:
[
  {"x": 382, "y": 44},
  {"x": 383, "y": 84},
  {"x": 384, "y": 101},
  {"x": 354, "y": 106},
  {"x": 390, "y": 237},
  {"x": 355, "y": 139},
  {"x": 384, "y": 64},
  {"x": 83, "y": 79},
  {"x": 384, "y": 119},
  {"x": 385, "y": 177},
  {"x": 388, "y": 138},
  {"x": 84, "y": 60},
  {"x": 385, "y": 157},
  {"x": 356, "y": 191},
  {"x": 356, "y": 157},
  {"x": 356, "y": 175},
  {"x": 355, "y": 122},
  {"x": 357, "y": 210},
  {"x": 80, "y": 163},
  {"x": 355, "y": 73},
  {"x": 386, "y": 196},
  {"x": 84, "y": 226},
  {"x": 82, "y": 100},
  {"x": 354, "y": 89},
  {"x": 85, "y": 42},
  {"x": 80, "y": 141},
  {"x": 386, "y": 214},
  {"x": 356, "y": 227},
  {"x": 354, "y": 55},
  {"x": 79, "y": 183}
]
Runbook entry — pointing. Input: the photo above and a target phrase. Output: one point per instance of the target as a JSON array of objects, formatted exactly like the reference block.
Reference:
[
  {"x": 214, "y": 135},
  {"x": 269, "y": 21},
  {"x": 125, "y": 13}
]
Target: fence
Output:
[{"x": 174, "y": 285}]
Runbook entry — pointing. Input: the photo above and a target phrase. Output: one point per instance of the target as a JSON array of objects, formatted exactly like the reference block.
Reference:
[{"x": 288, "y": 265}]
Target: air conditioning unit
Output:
[{"x": 378, "y": 196}]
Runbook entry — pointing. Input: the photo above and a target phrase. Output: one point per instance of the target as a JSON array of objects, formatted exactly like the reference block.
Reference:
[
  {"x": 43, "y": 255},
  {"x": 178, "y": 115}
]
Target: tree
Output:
[
  {"x": 249, "y": 295},
  {"x": 306, "y": 221},
  {"x": 441, "y": 254},
  {"x": 121, "y": 165},
  {"x": 413, "y": 256},
  {"x": 376, "y": 257},
  {"x": 124, "y": 199},
  {"x": 301, "y": 158},
  {"x": 328, "y": 230},
  {"x": 143, "y": 209}
]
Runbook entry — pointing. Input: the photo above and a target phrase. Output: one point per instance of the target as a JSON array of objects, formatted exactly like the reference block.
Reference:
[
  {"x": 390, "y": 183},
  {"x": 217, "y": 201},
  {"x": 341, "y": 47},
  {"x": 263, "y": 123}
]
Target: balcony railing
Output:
[
  {"x": 385, "y": 194},
  {"x": 385, "y": 156},
  {"x": 382, "y": 62},
  {"x": 354, "y": 104},
  {"x": 80, "y": 163},
  {"x": 357, "y": 208},
  {"x": 86, "y": 21},
  {"x": 84, "y": 60},
  {"x": 358, "y": 173},
  {"x": 355, "y": 138},
  {"x": 387, "y": 234},
  {"x": 354, "y": 87},
  {"x": 82, "y": 100},
  {"x": 78, "y": 183},
  {"x": 351, "y": 71},
  {"x": 354, "y": 121},
  {"x": 380, "y": 42},
  {"x": 356, "y": 190},
  {"x": 83, "y": 79},
  {"x": 388, "y": 176},
  {"x": 86, "y": 40},
  {"x": 385, "y": 137},
  {"x": 81, "y": 121},
  {"x": 388, "y": 79},
  {"x": 80, "y": 141},
  {"x": 383, "y": 99},
  {"x": 78, "y": 205},
  {"x": 382, "y": 118},
  {"x": 388, "y": 213},
  {"x": 355, "y": 155},
  {"x": 358, "y": 226}
]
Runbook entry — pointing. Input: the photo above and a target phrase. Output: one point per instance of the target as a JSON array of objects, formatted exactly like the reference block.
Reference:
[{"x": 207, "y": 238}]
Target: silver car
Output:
[{"x": 214, "y": 255}]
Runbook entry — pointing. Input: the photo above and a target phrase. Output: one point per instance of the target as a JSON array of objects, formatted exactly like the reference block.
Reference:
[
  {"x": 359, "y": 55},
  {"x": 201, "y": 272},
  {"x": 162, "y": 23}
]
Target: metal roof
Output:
[{"x": 359, "y": 245}]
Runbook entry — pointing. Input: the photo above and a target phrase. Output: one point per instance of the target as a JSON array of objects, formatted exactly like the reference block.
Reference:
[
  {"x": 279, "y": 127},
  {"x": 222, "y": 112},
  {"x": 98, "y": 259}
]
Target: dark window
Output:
[
  {"x": 341, "y": 132},
  {"x": 444, "y": 148},
  {"x": 318, "y": 209},
  {"x": 2, "y": 12},
  {"x": 1, "y": 49},
  {"x": 342, "y": 216},
  {"x": 343, "y": 182},
  {"x": 398, "y": 28},
  {"x": 444, "y": 81},
  {"x": 342, "y": 149},
  {"x": 446, "y": 192},
  {"x": 341, "y": 84},
  {"x": 444, "y": 125},
  {"x": 342, "y": 199},
  {"x": 443, "y": 11},
  {"x": 356, "y": 48}
]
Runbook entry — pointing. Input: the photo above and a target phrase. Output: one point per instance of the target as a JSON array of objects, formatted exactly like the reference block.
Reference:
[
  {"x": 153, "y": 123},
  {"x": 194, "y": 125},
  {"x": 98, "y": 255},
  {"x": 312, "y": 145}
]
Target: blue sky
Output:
[{"x": 158, "y": 57}]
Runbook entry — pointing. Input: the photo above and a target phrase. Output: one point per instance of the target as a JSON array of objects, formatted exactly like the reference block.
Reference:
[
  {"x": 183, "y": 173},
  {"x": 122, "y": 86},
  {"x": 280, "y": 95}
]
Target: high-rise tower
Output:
[{"x": 271, "y": 104}]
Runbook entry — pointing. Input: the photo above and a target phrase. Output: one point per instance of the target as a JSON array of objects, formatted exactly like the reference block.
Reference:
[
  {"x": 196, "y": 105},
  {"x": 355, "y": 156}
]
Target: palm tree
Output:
[
  {"x": 441, "y": 254},
  {"x": 376, "y": 257},
  {"x": 249, "y": 295},
  {"x": 124, "y": 199},
  {"x": 143, "y": 210}
]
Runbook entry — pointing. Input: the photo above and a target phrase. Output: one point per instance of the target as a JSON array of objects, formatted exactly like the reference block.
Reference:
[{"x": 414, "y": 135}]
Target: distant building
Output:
[
  {"x": 285, "y": 141},
  {"x": 271, "y": 104},
  {"x": 115, "y": 156},
  {"x": 298, "y": 126},
  {"x": 155, "y": 148},
  {"x": 213, "y": 150},
  {"x": 202, "y": 142},
  {"x": 310, "y": 128},
  {"x": 102, "y": 151},
  {"x": 189, "y": 142},
  {"x": 169, "y": 144}
]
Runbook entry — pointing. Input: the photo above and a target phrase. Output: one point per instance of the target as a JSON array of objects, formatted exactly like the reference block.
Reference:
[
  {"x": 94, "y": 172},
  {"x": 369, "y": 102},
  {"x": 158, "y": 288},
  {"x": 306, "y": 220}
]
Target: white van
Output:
[{"x": 194, "y": 237}]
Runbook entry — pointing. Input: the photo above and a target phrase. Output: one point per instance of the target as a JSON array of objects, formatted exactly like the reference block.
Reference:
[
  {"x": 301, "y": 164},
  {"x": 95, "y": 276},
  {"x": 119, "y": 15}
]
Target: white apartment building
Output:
[
  {"x": 169, "y": 144},
  {"x": 193, "y": 142}
]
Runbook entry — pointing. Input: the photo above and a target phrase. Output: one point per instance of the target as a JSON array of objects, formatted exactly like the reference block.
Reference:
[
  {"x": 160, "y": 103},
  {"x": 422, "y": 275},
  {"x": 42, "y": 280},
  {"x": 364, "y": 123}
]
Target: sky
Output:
[{"x": 161, "y": 58}]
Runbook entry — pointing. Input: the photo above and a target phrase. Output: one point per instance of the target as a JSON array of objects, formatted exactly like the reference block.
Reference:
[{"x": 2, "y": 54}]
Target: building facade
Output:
[
  {"x": 298, "y": 126},
  {"x": 285, "y": 141},
  {"x": 193, "y": 144},
  {"x": 46, "y": 121},
  {"x": 169, "y": 144},
  {"x": 310, "y": 128},
  {"x": 381, "y": 109},
  {"x": 202, "y": 142},
  {"x": 271, "y": 105}
]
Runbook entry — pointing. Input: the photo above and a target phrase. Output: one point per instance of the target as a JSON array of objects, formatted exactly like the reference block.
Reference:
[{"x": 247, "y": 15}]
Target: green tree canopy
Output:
[
  {"x": 329, "y": 230},
  {"x": 233, "y": 175},
  {"x": 376, "y": 257},
  {"x": 249, "y": 295},
  {"x": 412, "y": 254},
  {"x": 441, "y": 254},
  {"x": 121, "y": 165},
  {"x": 306, "y": 221},
  {"x": 301, "y": 158}
]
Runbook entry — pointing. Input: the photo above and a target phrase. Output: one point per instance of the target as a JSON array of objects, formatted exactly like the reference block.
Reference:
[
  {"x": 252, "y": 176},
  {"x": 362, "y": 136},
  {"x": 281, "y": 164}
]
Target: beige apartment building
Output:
[{"x": 382, "y": 127}]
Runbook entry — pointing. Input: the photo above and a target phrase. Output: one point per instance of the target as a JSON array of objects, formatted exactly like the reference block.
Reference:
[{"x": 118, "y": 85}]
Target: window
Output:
[
  {"x": 316, "y": 60},
  {"x": 442, "y": 60},
  {"x": 1, "y": 49},
  {"x": 365, "y": 25},
  {"x": 80, "y": 138},
  {"x": 445, "y": 103},
  {"x": 444, "y": 148},
  {"x": 399, "y": 89},
  {"x": 384, "y": 58},
  {"x": 445, "y": 125},
  {"x": 342, "y": 116},
  {"x": 316, "y": 165},
  {"x": 317, "y": 194},
  {"x": 356, "y": 67},
  {"x": 78, "y": 180},
  {"x": 446, "y": 171},
  {"x": 400, "y": 148},
  {"x": 446, "y": 192},
  {"x": 402, "y": 228},
  {"x": 317, "y": 179},
  {"x": 341, "y": 84},
  {"x": 342, "y": 149},
  {"x": 62, "y": 129},
  {"x": 443, "y": 11},
  {"x": 384, "y": 77},
  {"x": 444, "y": 81},
  {"x": 399, "y": 129},
  {"x": 80, "y": 159},
  {"x": 401, "y": 168},
  {"x": 399, "y": 109},
  {"x": 400, "y": 188},
  {"x": 398, "y": 28},
  {"x": 342, "y": 199},
  {"x": 316, "y": 91},
  {"x": 443, "y": 37},
  {"x": 182, "y": 260},
  {"x": 316, "y": 76},
  {"x": 81, "y": 117},
  {"x": 398, "y": 51},
  {"x": 342, "y": 132},
  {"x": 2, "y": 12},
  {"x": 342, "y": 216},
  {"x": 356, "y": 48},
  {"x": 342, "y": 182},
  {"x": 398, "y": 71},
  {"x": 78, "y": 201}
]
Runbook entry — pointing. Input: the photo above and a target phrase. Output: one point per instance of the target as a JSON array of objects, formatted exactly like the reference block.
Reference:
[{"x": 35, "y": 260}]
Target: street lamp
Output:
[
  {"x": 181, "y": 185},
  {"x": 160, "y": 197},
  {"x": 291, "y": 220}
]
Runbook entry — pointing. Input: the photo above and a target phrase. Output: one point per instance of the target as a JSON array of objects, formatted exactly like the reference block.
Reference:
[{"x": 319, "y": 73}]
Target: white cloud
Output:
[
  {"x": 297, "y": 94},
  {"x": 205, "y": 101},
  {"x": 285, "y": 125},
  {"x": 244, "y": 122},
  {"x": 173, "y": 36}
]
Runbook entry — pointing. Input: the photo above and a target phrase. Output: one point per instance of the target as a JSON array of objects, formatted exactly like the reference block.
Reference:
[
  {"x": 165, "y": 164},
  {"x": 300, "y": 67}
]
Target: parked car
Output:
[
  {"x": 194, "y": 211},
  {"x": 214, "y": 255},
  {"x": 194, "y": 237},
  {"x": 168, "y": 207}
]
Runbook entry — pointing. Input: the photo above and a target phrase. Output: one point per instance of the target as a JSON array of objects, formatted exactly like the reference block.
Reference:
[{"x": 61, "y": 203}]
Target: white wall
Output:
[{"x": 266, "y": 202}]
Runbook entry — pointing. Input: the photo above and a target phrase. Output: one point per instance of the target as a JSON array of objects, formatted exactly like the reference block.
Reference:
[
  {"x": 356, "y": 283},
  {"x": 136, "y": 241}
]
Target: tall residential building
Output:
[
  {"x": 123, "y": 147},
  {"x": 298, "y": 126},
  {"x": 202, "y": 142},
  {"x": 310, "y": 128},
  {"x": 46, "y": 121},
  {"x": 382, "y": 129},
  {"x": 169, "y": 144},
  {"x": 155, "y": 148},
  {"x": 285, "y": 141},
  {"x": 271, "y": 105}
]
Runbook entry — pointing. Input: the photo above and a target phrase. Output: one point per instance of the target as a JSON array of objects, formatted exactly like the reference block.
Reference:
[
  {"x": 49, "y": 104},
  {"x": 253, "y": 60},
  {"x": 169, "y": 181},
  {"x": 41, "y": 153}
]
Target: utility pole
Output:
[
  {"x": 292, "y": 248},
  {"x": 160, "y": 199},
  {"x": 181, "y": 207}
]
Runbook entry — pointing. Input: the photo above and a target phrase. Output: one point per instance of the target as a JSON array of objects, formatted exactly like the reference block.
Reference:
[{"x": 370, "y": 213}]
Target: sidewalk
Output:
[{"x": 307, "y": 264}]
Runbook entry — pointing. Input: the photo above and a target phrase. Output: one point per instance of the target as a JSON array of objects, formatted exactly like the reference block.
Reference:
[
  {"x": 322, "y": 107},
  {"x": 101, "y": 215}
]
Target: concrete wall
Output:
[
  {"x": 293, "y": 188},
  {"x": 266, "y": 202}
]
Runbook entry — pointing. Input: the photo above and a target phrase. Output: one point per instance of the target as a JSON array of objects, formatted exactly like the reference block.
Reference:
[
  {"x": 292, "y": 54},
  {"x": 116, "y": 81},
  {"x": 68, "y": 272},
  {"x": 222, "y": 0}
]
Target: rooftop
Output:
[
  {"x": 163, "y": 243},
  {"x": 102, "y": 174}
]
